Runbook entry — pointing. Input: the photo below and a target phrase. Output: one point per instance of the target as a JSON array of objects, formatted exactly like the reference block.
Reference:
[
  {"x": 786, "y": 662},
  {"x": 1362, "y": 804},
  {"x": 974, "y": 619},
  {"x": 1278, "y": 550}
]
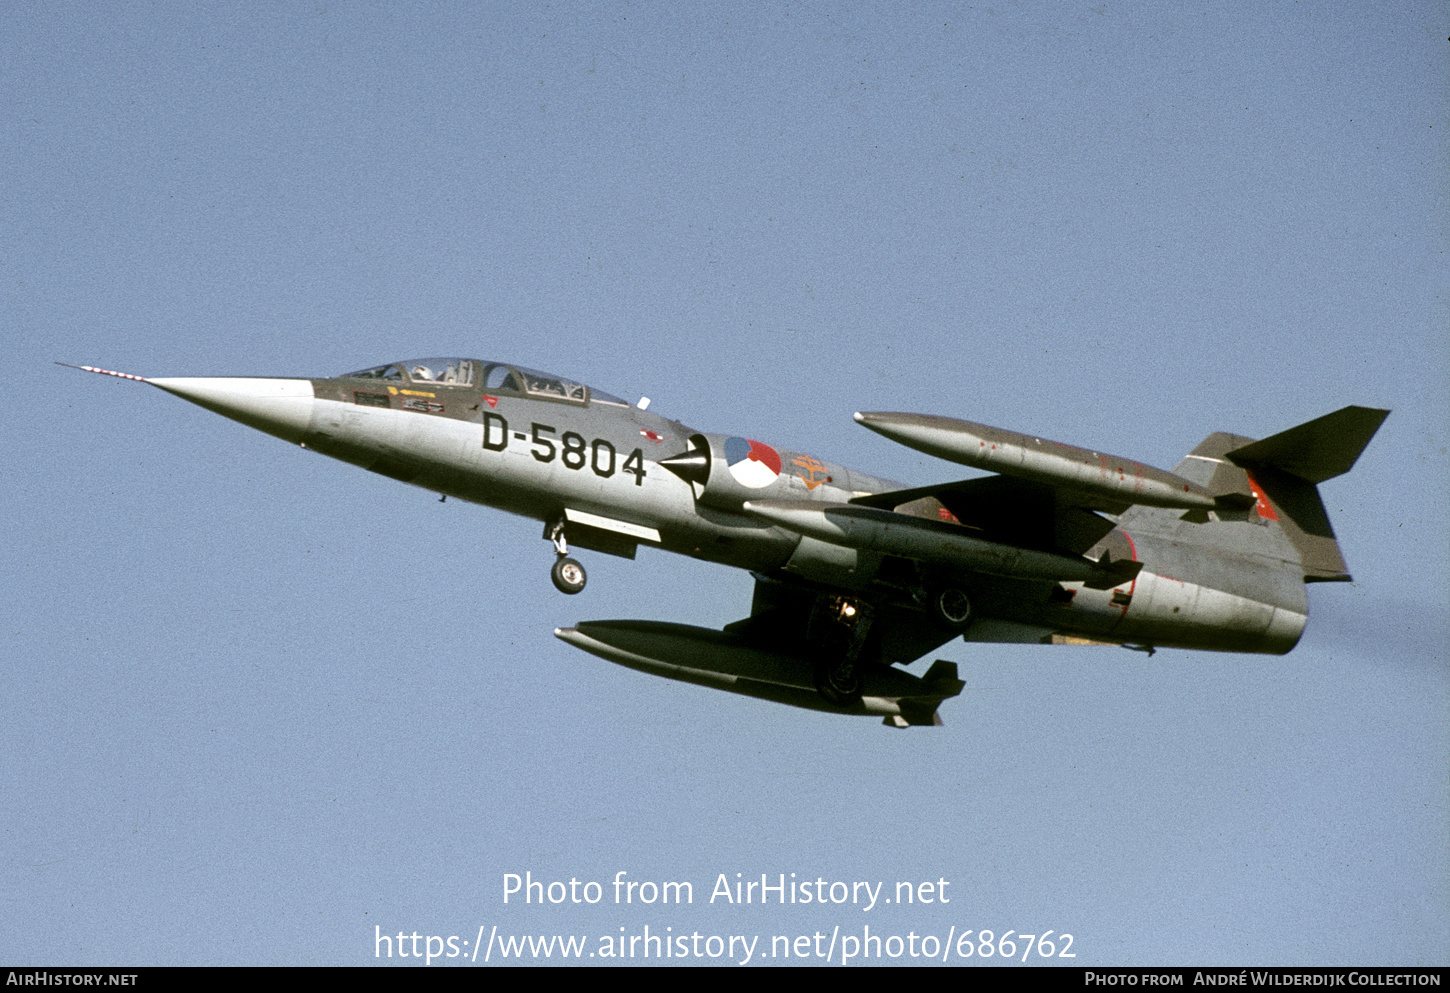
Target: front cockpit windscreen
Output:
[
  {"x": 392, "y": 373},
  {"x": 443, "y": 372}
]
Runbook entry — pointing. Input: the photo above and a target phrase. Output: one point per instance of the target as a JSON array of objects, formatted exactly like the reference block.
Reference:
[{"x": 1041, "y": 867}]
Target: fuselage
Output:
[{"x": 550, "y": 449}]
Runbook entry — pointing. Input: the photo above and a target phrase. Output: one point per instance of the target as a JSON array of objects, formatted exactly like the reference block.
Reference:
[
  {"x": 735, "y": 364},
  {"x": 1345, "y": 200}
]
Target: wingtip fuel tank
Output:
[
  {"x": 1108, "y": 477},
  {"x": 725, "y": 662}
]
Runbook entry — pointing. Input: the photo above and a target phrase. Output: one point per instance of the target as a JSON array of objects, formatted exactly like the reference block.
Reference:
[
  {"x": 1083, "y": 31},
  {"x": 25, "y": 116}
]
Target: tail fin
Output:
[
  {"x": 1320, "y": 449},
  {"x": 1282, "y": 472}
]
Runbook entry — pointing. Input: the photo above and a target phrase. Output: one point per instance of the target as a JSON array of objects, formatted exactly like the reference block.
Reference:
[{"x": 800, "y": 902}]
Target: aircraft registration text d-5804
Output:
[
  {"x": 856, "y": 577},
  {"x": 571, "y": 448}
]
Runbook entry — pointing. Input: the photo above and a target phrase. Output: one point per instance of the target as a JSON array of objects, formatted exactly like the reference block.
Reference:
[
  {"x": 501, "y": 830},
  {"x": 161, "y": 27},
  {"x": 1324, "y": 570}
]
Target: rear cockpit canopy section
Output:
[
  {"x": 495, "y": 377},
  {"x": 547, "y": 387}
]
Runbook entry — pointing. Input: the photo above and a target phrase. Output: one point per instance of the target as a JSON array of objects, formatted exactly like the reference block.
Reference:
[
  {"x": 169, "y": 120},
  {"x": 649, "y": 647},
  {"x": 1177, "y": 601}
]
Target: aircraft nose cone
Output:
[{"x": 281, "y": 407}]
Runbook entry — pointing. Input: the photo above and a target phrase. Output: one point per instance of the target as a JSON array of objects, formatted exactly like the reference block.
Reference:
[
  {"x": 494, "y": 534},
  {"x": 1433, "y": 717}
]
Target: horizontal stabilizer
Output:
[{"x": 1317, "y": 450}]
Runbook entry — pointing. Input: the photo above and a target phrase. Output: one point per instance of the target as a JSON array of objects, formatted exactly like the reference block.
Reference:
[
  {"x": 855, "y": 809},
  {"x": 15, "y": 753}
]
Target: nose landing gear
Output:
[{"x": 568, "y": 575}]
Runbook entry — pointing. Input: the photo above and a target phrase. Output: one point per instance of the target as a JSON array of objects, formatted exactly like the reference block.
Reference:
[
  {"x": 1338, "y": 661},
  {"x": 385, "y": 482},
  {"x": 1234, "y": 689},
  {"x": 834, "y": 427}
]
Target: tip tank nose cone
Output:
[{"x": 879, "y": 421}]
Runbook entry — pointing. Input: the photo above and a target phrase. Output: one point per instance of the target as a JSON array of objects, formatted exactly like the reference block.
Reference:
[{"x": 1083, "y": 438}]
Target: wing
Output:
[{"x": 1012, "y": 511}]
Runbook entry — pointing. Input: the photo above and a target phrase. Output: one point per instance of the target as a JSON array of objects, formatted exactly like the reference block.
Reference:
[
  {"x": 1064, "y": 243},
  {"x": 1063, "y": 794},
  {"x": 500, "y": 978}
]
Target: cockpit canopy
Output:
[
  {"x": 451, "y": 372},
  {"x": 494, "y": 377}
]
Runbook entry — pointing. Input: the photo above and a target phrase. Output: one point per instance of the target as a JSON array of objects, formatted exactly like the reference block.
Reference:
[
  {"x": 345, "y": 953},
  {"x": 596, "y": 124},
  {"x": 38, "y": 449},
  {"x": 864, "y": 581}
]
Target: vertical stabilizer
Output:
[{"x": 1282, "y": 473}]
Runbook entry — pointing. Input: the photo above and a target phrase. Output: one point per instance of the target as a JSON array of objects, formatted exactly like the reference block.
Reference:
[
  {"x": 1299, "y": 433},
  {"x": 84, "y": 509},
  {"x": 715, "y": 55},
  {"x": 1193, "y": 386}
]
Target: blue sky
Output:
[{"x": 261, "y": 703}]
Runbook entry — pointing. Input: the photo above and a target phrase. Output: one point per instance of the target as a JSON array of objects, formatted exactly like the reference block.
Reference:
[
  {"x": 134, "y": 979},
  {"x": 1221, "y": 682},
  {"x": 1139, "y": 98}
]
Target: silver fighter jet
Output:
[{"x": 854, "y": 575}]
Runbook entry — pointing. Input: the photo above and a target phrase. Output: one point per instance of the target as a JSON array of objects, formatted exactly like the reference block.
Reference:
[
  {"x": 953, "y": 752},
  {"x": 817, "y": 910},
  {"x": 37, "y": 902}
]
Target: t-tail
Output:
[{"x": 1282, "y": 474}]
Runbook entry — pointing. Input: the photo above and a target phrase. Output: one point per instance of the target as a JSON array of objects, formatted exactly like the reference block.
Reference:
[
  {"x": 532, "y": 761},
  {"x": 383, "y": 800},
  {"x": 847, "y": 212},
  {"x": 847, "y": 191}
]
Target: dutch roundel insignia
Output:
[{"x": 753, "y": 464}]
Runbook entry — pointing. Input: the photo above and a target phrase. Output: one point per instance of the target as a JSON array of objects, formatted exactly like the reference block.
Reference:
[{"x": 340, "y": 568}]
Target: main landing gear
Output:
[
  {"x": 949, "y": 607},
  {"x": 838, "y": 631},
  {"x": 568, "y": 575},
  {"x": 842, "y": 649}
]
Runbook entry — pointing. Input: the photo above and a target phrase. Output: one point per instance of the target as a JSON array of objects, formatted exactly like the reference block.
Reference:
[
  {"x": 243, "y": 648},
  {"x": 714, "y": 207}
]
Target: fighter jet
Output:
[{"x": 856, "y": 577}]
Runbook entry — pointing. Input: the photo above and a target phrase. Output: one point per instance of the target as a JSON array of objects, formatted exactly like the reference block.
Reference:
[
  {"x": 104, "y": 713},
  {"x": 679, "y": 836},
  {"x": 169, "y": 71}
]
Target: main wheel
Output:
[
  {"x": 838, "y": 679},
  {"x": 950, "y": 608},
  {"x": 568, "y": 576}
]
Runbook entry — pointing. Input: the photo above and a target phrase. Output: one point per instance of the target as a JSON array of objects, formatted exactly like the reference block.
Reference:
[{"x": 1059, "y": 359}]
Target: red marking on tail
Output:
[{"x": 1264, "y": 507}]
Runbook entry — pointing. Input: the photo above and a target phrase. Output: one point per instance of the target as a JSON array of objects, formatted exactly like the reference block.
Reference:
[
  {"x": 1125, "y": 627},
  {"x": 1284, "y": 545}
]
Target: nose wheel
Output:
[{"x": 568, "y": 575}]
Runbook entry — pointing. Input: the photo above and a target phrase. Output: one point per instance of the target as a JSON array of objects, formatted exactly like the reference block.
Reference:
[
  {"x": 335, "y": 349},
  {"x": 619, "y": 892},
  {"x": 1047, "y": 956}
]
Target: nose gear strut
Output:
[{"x": 567, "y": 574}]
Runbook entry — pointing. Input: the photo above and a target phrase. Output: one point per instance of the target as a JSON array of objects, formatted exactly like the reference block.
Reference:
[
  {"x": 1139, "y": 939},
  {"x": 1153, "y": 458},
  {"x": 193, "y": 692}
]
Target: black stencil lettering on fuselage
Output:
[
  {"x": 572, "y": 449},
  {"x": 573, "y": 456},
  {"x": 490, "y": 422},
  {"x": 601, "y": 445},
  {"x": 635, "y": 465},
  {"x": 545, "y": 450}
]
